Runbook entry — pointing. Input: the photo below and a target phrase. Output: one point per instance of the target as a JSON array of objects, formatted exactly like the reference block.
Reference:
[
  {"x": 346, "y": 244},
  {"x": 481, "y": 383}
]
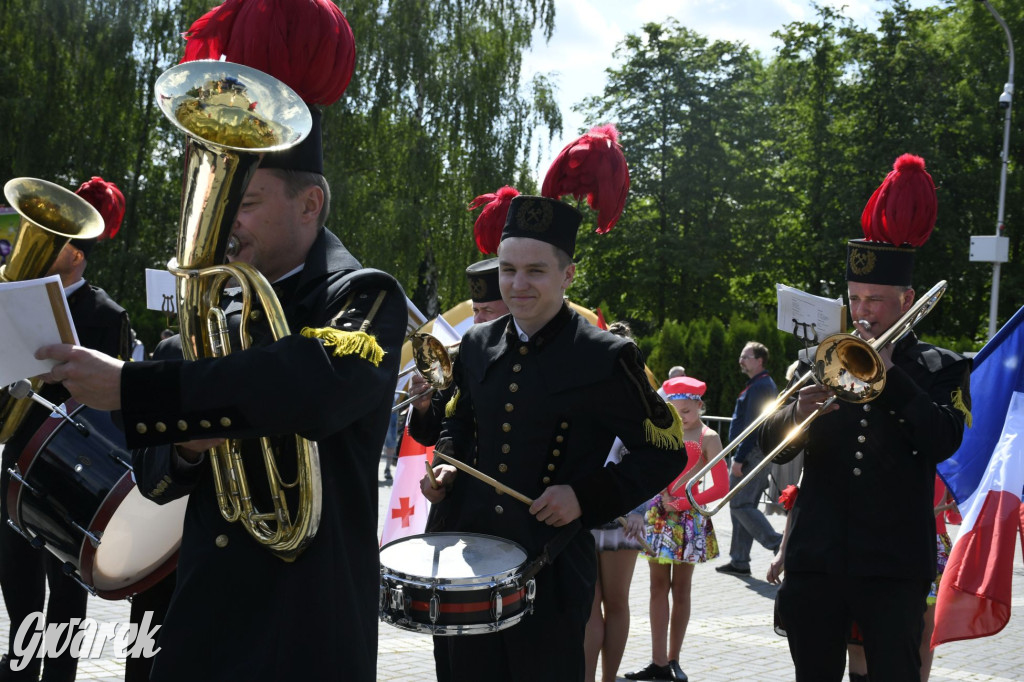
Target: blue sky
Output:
[{"x": 587, "y": 32}]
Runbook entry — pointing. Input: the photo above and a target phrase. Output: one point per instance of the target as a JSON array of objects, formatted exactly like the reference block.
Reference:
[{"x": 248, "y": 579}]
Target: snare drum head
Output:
[{"x": 452, "y": 557}]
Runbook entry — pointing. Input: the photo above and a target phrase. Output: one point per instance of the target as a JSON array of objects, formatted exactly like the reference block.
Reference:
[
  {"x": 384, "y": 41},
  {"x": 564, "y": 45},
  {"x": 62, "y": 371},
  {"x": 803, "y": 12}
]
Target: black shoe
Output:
[
  {"x": 677, "y": 673},
  {"x": 652, "y": 672},
  {"x": 387, "y": 475},
  {"x": 732, "y": 569}
]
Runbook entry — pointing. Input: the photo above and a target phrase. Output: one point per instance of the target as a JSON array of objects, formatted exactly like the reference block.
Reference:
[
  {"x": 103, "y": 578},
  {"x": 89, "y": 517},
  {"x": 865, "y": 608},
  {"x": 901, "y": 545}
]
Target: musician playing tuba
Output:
[
  {"x": 861, "y": 545},
  {"x": 102, "y": 325},
  {"x": 240, "y": 611}
]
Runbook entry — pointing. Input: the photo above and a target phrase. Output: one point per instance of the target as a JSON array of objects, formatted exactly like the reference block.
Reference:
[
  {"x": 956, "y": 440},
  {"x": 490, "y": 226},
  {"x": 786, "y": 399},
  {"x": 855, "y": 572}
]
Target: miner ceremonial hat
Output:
[
  {"x": 106, "y": 198},
  {"x": 306, "y": 44},
  {"x": 898, "y": 218},
  {"x": 483, "y": 281}
]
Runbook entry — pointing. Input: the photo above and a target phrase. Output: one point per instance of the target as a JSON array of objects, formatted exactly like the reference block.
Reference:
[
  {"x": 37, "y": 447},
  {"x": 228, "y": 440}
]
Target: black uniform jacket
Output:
[
  {"x": 239, "y": 612},
  {"x": 865, "y": 505},
  {"x": 101, "y": 325},
  {"x": 546, "y": 412}
]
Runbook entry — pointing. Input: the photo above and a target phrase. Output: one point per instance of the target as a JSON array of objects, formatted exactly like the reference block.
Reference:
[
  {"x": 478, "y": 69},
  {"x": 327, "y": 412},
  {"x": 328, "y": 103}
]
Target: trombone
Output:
[
  {"x": 433, "y": 362},
  {"x": 845, "y": 363}
]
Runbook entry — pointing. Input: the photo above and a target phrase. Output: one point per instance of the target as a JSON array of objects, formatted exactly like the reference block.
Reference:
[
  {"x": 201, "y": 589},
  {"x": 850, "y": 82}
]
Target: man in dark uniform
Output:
[
  {"x": 240, "y": 612},
  {"x": 540, "y": 397},
  {"x": 24, "y": 571},
  {"x": 427, "y": 412},
  {"x": 861, "y": 543}
]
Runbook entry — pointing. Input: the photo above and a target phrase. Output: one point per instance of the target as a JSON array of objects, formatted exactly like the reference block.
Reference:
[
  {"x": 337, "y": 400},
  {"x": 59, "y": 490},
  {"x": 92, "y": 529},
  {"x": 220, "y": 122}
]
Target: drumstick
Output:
[
  {"x": 433, "y": 479},
  {"x": 501, "y": 487}
]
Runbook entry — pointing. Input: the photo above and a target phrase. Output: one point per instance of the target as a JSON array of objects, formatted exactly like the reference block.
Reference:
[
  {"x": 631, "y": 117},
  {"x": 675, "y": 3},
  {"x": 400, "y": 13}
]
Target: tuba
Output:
[
  {"x": 232, "y": 115},
  {"x": 51, "y": 216}
]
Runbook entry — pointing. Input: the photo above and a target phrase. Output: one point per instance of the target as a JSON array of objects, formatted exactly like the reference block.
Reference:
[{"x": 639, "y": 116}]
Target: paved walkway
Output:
[{"x": 729, "y": 637}]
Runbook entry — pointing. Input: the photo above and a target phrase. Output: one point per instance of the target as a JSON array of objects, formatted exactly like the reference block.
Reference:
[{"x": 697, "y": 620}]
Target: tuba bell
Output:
[
  {"x": 232, "y": 115},
  {"x": 51, "y": 216}
]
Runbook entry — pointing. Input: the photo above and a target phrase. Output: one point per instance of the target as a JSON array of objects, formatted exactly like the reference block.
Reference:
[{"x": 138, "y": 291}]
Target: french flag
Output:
[{"x": 986, "y": 476}]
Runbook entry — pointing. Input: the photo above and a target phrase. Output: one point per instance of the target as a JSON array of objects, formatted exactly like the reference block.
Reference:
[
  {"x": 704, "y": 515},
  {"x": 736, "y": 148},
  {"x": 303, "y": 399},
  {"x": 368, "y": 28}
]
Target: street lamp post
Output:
[{"x": 996, "y": 249}]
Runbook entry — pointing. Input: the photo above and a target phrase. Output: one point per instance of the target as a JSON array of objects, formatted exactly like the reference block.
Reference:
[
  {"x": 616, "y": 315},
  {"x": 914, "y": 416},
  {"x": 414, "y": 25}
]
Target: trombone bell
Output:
[{"x": 851, "y": 367}]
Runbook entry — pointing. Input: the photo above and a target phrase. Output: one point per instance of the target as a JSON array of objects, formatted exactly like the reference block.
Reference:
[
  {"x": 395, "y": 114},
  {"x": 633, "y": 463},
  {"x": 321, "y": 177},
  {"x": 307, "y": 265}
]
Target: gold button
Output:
[
  {"x": 863, "y": 422},
  {"x": 502, "y": 468},
  {"x": 160, "y": 426},
  {"x": 858, "y": 455},
  {"x": 523, "y": 350},
  {"x": 856, "y": 472},
  {"x": 565, "y": 425},
  {"x": 556, "y": 452},
  {"x": 204, "y": 423},
  {"x": 551, "y": 467},
  {"x": 506, "y": 448},
  {"x": 254, "y": 315},
  {"x": 559, "y": 439},
  {"x": 546, "y": 479},
  {"x": 517, "y": 367},
  {"x": 182, "y": 425},
  {"x": 225, "y": 422},
  {"x": 221, "y": 541},
  {"x": 867, "y": 408},
  {"x": 506, "y": 427},
  {"x": 509, "y": 407},
  {"x": 141, "y": 428},
  {"x": 861, "y": 438},
  {"x": 513, "y": 387},
  {"x": 499, "y": 509}
]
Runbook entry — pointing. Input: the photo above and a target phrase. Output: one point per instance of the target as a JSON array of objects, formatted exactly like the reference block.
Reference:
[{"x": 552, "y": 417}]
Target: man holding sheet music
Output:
[{"x": 24, "y": 571}]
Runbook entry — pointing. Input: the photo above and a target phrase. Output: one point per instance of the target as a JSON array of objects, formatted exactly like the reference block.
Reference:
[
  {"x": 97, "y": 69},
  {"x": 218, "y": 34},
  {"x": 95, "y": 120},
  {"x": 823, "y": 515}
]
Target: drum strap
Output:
[{"x": 552, "y": 548}]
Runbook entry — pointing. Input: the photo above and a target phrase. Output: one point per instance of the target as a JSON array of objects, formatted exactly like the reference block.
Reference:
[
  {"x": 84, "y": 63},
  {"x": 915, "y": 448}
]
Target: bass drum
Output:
[
  {"x": 454, "y": 584},
  {"x": 73, "y": 492}
]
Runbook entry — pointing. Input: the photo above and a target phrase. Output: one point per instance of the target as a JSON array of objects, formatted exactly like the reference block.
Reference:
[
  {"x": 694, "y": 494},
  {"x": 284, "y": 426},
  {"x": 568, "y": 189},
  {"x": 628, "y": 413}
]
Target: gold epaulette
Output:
[{"x": 348, "y": 343}]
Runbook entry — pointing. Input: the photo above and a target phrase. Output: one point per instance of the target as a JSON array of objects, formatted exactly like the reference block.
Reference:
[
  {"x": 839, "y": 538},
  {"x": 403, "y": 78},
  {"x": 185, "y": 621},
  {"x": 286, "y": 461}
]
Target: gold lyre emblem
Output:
[
  {"x": 535, "y": 216},
  {"x": 862, "y": 261}
]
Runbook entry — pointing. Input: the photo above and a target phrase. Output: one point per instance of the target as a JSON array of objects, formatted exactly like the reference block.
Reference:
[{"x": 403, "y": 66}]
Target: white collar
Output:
[
  {"x": 523, "y": 336},
  {"x": 68, "y": 290}
]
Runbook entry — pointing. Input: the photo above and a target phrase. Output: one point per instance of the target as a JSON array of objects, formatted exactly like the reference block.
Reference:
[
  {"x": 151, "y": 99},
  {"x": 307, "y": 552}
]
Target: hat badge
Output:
[
  {"x": 862, "y": 261},
  {"x": 535, "y": 216},
  {"x": 477, "y": 288}
]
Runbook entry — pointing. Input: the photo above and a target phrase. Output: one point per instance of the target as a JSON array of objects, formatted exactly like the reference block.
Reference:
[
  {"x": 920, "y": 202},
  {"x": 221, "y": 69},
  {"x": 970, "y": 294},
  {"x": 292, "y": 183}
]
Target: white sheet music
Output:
[
  {"x": 33, "y": 313},
  {"x": 808, "y": 316},
  {"x": 161, "y": 291}
]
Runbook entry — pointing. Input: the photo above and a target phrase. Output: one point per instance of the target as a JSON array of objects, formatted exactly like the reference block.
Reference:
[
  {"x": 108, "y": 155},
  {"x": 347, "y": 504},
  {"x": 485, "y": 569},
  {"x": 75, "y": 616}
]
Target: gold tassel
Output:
[
  {"x": 670, "y": 438},
  {"x": 348, "y": 343},
  {"x": 449, "y": 409},
  {"x": 958, "y": 403}
]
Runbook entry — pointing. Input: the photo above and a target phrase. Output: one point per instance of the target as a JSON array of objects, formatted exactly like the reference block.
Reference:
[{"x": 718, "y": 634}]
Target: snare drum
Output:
[
  {"x": 454, "y": 584},
  {"x": 74, "y": 494}
]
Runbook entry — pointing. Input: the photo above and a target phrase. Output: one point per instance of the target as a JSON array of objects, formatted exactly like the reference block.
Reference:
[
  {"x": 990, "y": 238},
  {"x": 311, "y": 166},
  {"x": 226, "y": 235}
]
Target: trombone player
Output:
[{"x": 861, "y": 544}]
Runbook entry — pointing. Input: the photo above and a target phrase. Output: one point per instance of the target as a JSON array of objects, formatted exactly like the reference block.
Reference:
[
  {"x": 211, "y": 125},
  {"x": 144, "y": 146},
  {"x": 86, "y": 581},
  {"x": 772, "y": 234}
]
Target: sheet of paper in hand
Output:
[{"x": 33, "y": 313}]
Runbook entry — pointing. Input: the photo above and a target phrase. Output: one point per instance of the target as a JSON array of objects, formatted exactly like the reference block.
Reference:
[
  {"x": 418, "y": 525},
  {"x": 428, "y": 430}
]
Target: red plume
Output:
[
  {"x": 903, "y": 208},
  {"x": 592, "y": 166},
  {"x": 108, "y": 200},
  {"x": 491, "y": 221},
  {"x": 307, "y": 44}
]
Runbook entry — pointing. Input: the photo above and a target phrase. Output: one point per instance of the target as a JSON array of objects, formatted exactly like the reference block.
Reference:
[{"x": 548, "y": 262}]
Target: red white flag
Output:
[{"x": 407, "y": 513}]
